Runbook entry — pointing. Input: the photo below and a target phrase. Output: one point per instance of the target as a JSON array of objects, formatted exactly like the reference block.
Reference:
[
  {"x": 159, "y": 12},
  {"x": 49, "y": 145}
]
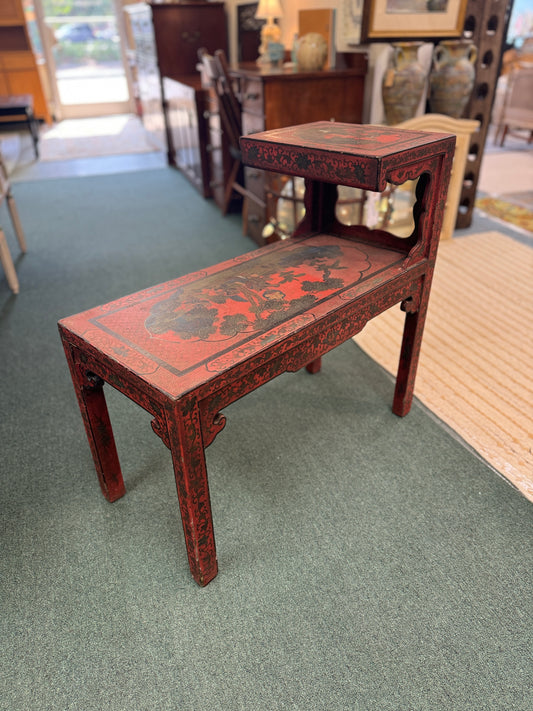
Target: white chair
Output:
[
  {"x": 5, "y": 255},
  {"x": 517, "y": 110}
]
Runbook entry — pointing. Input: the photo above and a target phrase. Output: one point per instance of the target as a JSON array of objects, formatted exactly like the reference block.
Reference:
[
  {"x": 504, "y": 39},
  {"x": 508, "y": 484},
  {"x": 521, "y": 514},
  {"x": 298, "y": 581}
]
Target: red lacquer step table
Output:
[{"x": 185, "y": 349}]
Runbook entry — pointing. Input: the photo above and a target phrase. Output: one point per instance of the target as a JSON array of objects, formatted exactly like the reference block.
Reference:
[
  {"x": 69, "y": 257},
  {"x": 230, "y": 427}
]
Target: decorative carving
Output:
[
  {"x": 411, "y": 304},
  {"x": 213, "y": 421},
  {"x": 93, "y": 381},
  {"x": 160, "y": 429},
  {"x": 218, "y": 424}
]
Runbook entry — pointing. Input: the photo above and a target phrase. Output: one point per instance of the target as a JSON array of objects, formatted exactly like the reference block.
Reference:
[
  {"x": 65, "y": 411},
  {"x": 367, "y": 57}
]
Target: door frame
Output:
[{"x": 68, "y": 111}]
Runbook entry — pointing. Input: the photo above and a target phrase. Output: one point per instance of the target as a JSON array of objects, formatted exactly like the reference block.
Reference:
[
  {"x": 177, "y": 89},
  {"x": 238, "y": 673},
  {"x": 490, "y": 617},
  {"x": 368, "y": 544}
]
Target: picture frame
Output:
[{"x": 394, "y": 20}]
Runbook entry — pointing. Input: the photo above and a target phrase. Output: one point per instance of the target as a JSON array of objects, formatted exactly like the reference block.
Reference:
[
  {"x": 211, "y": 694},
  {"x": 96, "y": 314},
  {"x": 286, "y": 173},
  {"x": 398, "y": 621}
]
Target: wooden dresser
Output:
[
  {"x": 279, "y": 97},
  {"x": 19, "y": 73},
  {"x": 181, "y": 29}
]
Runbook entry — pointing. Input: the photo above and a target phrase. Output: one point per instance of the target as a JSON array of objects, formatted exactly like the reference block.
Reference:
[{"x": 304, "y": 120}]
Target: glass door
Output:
[{"x": 82, "y": 44}]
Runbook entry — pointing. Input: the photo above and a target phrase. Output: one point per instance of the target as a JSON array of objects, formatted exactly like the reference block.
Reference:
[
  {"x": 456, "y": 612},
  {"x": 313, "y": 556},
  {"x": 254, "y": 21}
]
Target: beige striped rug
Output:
[{"x": 476, "y": 364}]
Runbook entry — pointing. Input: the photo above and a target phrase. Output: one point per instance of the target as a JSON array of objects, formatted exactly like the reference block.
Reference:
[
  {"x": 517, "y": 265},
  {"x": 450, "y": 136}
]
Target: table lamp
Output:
[{"x": 268, "y": 10}]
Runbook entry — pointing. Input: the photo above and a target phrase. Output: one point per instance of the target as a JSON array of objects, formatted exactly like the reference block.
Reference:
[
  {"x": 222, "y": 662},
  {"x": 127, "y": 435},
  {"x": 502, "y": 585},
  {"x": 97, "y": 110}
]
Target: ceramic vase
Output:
[
  {"x": 312, "y": 52},
  {"x": 403, "y": 83},
  {"x": 452, "y": 76}
]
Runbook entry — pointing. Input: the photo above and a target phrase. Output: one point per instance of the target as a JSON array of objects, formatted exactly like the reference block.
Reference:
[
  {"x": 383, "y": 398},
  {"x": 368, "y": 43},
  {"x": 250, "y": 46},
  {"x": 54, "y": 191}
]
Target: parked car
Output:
[
  {"x": 79, "y": 32},
  {"x": 107, "y": 33}
]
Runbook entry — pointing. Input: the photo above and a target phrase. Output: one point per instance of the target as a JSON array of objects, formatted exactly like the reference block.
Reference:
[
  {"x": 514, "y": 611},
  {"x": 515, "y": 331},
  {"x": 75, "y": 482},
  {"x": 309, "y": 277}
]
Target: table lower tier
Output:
[{"x": 186, "y": 349}]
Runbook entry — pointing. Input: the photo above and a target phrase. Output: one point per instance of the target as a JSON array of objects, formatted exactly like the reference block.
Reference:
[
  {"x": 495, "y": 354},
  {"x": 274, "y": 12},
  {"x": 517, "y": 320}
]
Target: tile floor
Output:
[{"x": 19, "y": 156}]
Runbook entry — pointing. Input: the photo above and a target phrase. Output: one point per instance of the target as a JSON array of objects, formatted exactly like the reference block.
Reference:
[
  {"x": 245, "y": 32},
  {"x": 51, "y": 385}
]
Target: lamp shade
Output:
[{"x": 268, "y": 9}]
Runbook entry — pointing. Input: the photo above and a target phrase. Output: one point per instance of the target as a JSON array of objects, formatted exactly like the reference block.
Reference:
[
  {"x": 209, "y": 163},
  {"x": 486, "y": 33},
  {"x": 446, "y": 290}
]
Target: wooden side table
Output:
[{"x": 187, "y": 348}]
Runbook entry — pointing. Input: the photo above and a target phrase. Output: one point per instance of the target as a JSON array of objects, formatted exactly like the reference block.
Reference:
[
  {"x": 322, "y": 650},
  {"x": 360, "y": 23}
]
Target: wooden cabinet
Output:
[
  {"x": 18, "y": 69},
  {"x": 173, "y": 104},
  {"x": 11, "y": 12},
  {"x": 275, "y": 98},
  {"x": 181, "y": 29}
]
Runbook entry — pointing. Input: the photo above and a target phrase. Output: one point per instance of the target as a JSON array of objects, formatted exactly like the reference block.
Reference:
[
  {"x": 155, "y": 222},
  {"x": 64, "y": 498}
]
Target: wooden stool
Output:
[
  {"x": 186, "y": 349},
  {"x": 20, "y": 108}
]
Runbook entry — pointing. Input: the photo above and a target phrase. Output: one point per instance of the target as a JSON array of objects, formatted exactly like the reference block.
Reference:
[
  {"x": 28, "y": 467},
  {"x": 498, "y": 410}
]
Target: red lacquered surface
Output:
[{"x": 187, "y": 348}]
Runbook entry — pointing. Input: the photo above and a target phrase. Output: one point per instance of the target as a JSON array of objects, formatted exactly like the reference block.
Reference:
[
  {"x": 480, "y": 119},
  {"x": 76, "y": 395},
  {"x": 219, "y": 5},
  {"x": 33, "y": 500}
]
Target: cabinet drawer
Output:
[
  {"x": 11, "y": 12},
  {"x": 18, "y": 60},
  {"x": 252, "y": 96}
]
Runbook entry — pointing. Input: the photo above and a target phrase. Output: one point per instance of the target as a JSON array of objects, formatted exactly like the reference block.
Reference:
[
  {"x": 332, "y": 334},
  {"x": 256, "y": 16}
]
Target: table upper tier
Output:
[{"x": 360, "y": 156}]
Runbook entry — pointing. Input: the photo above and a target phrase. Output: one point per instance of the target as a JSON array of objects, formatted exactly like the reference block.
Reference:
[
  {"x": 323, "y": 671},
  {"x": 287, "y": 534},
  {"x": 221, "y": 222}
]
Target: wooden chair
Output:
[
  {"x": 463, "y": 130},
  {"x": 5, "y": 255},
  {"x": 517, "y": 112},
  {"x": 216, "y": 69}
]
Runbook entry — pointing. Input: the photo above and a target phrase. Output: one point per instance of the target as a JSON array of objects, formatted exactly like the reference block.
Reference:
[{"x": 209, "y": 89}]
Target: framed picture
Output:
[{"x": 389, "y": 20}]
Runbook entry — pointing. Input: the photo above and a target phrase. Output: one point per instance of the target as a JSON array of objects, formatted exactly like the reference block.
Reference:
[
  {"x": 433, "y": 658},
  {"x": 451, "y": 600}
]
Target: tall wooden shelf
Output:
[
  {"x": 486, "y": 24},
  {"x": 19, "y": 73}
]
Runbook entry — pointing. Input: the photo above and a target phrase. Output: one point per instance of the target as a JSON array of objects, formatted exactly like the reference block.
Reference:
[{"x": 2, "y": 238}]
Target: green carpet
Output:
[{"x": 366, "y": 562}]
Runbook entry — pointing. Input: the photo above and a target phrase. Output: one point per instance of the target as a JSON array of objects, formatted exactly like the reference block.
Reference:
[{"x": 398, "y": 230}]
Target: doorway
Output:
[{"x": 82, "y": 44}]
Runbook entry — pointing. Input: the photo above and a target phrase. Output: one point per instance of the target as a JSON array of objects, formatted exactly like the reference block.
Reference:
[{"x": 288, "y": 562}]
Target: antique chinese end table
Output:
[{"x": 185, "y": 349}]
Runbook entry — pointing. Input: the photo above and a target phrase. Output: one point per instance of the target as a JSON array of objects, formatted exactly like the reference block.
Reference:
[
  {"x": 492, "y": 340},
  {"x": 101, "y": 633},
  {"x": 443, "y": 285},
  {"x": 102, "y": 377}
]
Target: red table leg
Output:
[
  {"x": 91, "y": 399},
  {"x": 314, "y": 366},
  {"x": 415, "y": 318},
  {"x": 188, "y": 457}
]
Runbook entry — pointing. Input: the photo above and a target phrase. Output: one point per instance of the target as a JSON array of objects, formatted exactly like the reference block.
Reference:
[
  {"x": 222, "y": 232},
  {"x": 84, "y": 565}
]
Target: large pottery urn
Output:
[
  {"x": 452, "y": 76},
  {"x": 312, "y": 52},
  {"x": 403, "y": 83}
]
